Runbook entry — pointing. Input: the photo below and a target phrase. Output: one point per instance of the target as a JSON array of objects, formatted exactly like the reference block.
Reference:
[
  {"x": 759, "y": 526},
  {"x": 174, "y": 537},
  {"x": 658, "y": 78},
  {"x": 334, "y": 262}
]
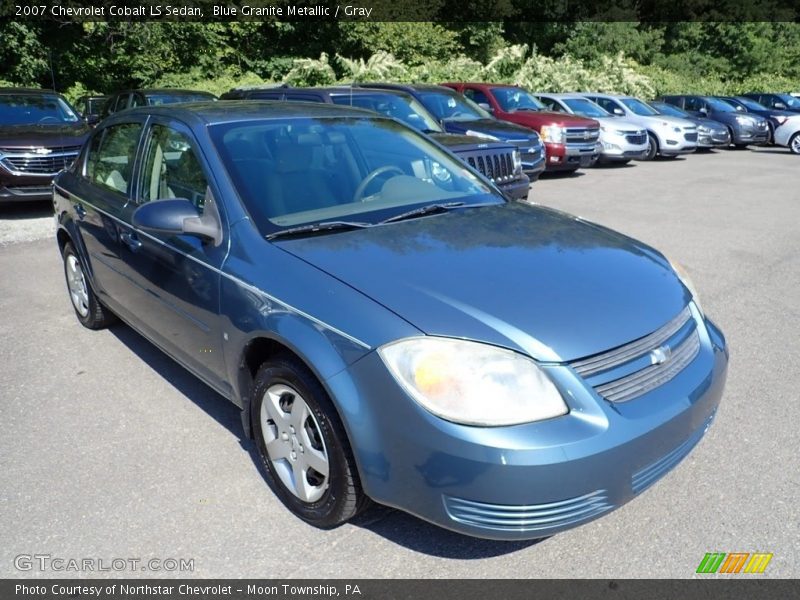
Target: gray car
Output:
[
  {"x": 745, "y": 129},
  {"x": 621, "y": 140},
  {"x": 710, "y": 133},
  {"x": 667, "y": 136}
]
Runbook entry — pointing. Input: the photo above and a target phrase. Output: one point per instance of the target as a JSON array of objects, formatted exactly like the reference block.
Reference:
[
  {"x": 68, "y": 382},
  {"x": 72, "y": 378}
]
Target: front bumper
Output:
[
  {"x": 517, "y": 189},
  {"x": 568, "y": 157},
  {"x": 25, "y": 191},
  {"x": 750, "y": 135},
  {"x": 714, "y": 139},
  {"x": 526, "y": 481}
]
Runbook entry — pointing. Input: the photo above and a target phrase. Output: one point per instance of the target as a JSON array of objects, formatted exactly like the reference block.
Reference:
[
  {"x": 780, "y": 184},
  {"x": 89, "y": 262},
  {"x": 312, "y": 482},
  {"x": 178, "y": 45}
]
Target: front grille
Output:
[
  {"x": 29, "y": 190},
  {"x": 581, "y": 135},
  {"x": 634, "y": 369},
  {"x": 497, "y": 166},
  {"x": 528, "y": 517},
  {"x": 636, "y": 138},
  {"x": 690, "y": 137},
  {"x": 31, "y": 162}
]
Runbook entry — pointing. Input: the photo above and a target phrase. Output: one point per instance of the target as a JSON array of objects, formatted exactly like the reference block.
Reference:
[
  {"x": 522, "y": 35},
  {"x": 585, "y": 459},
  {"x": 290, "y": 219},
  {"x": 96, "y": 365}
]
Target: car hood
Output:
[
  {"x": 673, "y": 121},
  {"x": 710, "y": 123},
  {"x": 514, "y": 275},
  {"x": 500, "y": 129},
  {"x": 37, "y": 136},
  {"x": 465, "y": 143},
  {"x": 618, "y": 123}
]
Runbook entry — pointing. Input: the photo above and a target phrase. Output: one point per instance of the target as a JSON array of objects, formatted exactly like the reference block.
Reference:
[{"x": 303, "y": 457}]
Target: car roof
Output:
[
  {"x": 25, "y": 90},
  {"x": 162, "y": 91},
  {"x": 230, "y": 111},
  {"x": 406, "y": 86},
  {"x": 562, "y": 96}
]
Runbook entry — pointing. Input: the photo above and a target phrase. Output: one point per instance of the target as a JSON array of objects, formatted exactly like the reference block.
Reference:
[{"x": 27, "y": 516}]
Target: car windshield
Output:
[
  {"x": 668, "y": 109},
  {"x": 402, "y": 107},
  {"x": 512, "y": 99},
  {"x": 638, "y": 107},
  {"x": 750, "y": 104},
  {"x": 789, "y": 100},
  {"x": 95, "y": 105},
  {"x": 157, "y": 99},
  {"x": 449, "y": 105},
  {"x": 40, "y": 109},
  {"x": 585, "y": 108},
  {"x": 720, "y": 105},
  {"x": 295, "y": 172}
]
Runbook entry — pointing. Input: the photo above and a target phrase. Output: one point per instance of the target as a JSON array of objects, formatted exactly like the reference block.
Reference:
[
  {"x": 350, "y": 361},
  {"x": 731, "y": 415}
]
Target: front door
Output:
[{"x": 179, "y": 275}]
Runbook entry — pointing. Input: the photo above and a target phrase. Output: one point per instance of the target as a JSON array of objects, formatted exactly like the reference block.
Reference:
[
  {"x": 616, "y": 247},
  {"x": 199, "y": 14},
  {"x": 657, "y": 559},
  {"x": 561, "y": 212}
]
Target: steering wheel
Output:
[
  {"x": 49, "y": 118},
  {"x": 362, "y": 187}
]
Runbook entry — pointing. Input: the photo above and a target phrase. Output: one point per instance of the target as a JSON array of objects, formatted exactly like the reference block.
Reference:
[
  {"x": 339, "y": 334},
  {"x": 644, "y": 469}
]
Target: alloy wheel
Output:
[
  {"x": 294, "y": 443},
  {"x": 78, "y": 292}
]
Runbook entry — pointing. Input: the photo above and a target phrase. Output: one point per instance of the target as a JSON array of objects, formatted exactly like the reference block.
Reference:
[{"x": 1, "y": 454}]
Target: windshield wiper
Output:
[
  {"x": 422, "y": 211},
  {"x": 322, "y": 227}
]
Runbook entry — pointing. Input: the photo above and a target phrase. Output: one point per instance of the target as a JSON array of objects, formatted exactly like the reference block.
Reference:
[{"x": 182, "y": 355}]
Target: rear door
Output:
[{"x": 103, "y": 203}]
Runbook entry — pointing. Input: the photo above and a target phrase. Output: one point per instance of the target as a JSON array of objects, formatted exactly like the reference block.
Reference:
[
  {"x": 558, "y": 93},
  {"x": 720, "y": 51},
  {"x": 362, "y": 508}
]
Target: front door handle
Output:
[
  {"x": 130, "y": 240},
  {"x": 80, "y": 211}
]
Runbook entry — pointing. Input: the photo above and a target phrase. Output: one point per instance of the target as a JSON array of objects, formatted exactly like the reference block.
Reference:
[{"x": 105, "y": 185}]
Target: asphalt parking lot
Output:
[{"x": 111, "y": 450}]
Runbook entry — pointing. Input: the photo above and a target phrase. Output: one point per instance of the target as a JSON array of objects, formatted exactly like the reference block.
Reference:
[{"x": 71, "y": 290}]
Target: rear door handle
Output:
[{"x": 130, "y": 240}]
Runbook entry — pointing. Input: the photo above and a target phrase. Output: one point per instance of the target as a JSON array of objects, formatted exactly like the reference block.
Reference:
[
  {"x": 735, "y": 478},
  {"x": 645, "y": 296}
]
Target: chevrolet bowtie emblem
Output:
[
  {"x": 42, "y": 151},
  {"x": 660, "y": 355}
]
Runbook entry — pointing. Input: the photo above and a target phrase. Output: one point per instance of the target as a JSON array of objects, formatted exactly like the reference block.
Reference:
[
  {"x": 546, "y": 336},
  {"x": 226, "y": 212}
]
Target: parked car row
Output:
[{"x": 506, "y": 133}]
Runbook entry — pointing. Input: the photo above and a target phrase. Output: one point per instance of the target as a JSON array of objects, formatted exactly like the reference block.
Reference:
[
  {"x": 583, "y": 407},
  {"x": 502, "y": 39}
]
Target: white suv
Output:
[{"x": 667, "y": 136}]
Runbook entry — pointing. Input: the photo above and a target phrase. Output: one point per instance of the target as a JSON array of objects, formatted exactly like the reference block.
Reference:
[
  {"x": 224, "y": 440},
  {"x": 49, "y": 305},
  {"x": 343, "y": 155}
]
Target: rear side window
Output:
[
  {"x": 109, "y": 162},
  {"x": 171, "y": 168}
]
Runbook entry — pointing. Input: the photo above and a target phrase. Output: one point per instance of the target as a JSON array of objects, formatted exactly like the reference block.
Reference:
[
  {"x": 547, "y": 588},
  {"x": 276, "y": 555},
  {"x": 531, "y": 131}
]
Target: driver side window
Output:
[{"x": 171, "y": 168}]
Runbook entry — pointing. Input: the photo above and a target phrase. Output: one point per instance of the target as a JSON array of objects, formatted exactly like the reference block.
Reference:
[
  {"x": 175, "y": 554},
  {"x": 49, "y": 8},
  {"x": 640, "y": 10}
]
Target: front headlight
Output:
[
  {"x": 676, "y": 129},
  {"x": 553, "y": 134},
  {"x": 744, "y": 120},
  {"x": 683, "y": 275},
  {"x": 517, "y": 158},
  {"x": 703, "y": 129},
  {"x": 480, "y": 134},
  {"x": 472, "y": 383}
]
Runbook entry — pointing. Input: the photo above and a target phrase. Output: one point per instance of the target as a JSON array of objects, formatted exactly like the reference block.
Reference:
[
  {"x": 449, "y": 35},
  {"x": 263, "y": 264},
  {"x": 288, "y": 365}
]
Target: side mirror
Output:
[
  {"x": 92, "y": 119},
  {"x": 619, "y": 112},
  {"x": 178, "y": 216},
  {"x": 486, "y": 107},
  {"x": 780, "y": 106}
]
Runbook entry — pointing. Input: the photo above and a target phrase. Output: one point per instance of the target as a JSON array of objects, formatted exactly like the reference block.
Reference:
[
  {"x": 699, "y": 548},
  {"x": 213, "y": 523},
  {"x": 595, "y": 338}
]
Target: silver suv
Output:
[
  {"x": 621, "y": 140},
  {"x": 667, "y": 136}
]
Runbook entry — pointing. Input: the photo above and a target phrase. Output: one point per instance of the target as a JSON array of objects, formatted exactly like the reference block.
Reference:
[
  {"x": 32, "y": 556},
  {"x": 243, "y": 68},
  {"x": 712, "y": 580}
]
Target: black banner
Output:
[
  {"x": 738, "y": 588},
  {"x": 648, "y": 11}
]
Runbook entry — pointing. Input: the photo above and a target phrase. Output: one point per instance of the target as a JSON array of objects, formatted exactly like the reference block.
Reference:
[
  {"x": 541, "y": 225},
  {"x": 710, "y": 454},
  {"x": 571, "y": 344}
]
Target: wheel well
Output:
[
  {"x": 255, "y": 354},
  {"x": 62, "y": 237}
]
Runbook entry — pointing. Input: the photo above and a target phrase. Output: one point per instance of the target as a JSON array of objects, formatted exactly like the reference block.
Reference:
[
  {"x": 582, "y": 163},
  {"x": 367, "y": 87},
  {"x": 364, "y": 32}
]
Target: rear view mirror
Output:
[
  {"x": 486, "y": 107},
  {"x": 780, "y": 105},
  {"x": 703, "y": 110},
  {"x": 619, "y": 112}
]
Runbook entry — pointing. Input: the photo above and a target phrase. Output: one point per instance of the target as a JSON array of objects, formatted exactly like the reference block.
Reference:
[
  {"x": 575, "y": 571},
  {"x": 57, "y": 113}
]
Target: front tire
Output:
[
  {"x": 794, "y": 143},
  {"x": 90, "y": 312},
  {"x": 652, "y": 147},
  {"x": 303, "y": 446}
]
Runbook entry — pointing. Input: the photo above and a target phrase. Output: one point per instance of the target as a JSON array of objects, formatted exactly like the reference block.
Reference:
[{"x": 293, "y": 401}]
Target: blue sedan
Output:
[{"x": 392, "y": 328}]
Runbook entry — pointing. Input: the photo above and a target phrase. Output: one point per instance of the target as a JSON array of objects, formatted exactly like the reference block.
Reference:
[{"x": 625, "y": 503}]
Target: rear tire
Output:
[
  {"x": 652, "y": 147},
  {"x": 303, "y": 446},
  {"x": 90, "y": 312}
]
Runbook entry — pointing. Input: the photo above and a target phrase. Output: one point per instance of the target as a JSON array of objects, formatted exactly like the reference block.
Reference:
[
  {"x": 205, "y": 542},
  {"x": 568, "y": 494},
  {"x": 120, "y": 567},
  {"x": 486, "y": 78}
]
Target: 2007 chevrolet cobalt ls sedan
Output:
[{"x": 391, "y": 326}]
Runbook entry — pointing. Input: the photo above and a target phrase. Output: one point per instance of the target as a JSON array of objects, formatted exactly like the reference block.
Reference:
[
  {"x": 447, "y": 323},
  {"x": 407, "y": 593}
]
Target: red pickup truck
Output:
[{"x": 571, "y": 142}]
